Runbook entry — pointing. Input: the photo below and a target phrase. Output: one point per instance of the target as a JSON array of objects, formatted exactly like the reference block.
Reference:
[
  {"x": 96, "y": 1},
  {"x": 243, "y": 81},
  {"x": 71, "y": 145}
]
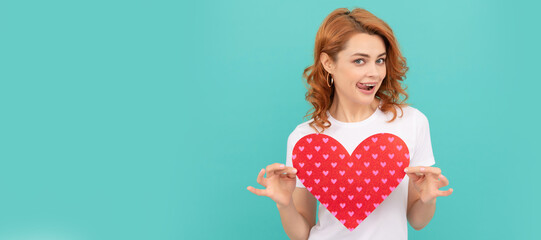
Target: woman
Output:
[{"x": 354, "y": 86}]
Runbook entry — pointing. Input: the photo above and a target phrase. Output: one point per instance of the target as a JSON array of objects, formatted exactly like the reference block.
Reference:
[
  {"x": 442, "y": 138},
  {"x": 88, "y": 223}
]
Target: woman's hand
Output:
[
  {"x": 427, "y": 181},
  {"x": 279, "y": 183}
]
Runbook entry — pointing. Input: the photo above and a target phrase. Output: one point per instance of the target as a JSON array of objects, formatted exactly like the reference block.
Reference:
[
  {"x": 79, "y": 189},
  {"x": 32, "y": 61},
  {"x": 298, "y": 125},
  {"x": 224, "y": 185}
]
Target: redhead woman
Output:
[{"x": 355, "y": 88}]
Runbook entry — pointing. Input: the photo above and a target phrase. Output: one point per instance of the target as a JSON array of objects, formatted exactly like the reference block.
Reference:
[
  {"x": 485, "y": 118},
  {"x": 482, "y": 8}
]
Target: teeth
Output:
[{"x": 370, "y": 85}]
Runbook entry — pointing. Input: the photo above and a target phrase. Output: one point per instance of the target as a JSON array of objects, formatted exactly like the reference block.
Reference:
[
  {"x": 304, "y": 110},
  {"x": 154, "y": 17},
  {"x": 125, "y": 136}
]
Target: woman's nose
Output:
[{"x": 373, "y": 70}]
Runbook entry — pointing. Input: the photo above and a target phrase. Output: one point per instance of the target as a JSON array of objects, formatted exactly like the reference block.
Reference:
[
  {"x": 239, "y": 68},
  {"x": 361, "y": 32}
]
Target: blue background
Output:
[{"x": 148, "y": 119}]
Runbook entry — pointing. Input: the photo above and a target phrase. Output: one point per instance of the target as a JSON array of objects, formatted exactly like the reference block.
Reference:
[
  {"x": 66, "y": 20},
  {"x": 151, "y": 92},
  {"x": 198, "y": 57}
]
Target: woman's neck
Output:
[{"x": 355, "y": 113}]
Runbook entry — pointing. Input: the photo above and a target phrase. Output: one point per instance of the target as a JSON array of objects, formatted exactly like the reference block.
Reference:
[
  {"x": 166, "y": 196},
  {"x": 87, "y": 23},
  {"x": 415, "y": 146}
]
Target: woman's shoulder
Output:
[
  {"x": 408, "y": 112},
  {"x": 301, "y": 130},
  {"x": 417, "y": 112},
  {"x": 304, "y": 128}
]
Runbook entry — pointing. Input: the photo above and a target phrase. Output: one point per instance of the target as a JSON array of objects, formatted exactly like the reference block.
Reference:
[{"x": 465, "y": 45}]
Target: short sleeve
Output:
[
  {"x": 423, "y": 155},
  {"x": 291, "y": 141}
]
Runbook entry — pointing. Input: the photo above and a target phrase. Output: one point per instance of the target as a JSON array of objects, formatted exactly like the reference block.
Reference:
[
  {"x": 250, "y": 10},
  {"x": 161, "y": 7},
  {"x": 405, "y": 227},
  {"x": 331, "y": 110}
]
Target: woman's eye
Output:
[{"x": 357, "y": 61}]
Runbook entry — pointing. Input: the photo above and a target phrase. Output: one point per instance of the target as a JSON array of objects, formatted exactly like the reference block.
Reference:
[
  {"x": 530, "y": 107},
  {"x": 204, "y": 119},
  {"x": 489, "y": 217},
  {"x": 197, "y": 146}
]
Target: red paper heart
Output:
[{"x": 351, "y": 187}]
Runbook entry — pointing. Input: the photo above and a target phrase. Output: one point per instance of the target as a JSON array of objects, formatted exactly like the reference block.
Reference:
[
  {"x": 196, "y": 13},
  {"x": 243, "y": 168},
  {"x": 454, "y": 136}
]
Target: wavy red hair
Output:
[{"x": 334, "y": 32}]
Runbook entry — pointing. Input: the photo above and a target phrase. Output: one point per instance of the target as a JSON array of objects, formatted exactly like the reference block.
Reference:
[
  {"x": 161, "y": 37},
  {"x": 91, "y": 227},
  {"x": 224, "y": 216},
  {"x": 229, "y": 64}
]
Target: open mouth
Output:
[{"x": 366, "y": 87}]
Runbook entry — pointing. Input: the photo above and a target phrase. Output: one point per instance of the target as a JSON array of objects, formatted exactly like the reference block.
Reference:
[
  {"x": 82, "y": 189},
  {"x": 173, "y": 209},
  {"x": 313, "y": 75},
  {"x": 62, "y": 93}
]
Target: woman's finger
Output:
[
  {"x": 287, "y": 170},
  {"x": 443, "y": 181},
  {"x": 259, "y": 192},
  {"x": 445, "y": 193},
  {"x": 414, "y": 176},
  {"x": 284, "y": 171},
  {"x": 260, "y": 179},
  {"x": 273, "y": 167},
  {"x": 290, "y": 173},
  {"x": 423, "y": 169}
]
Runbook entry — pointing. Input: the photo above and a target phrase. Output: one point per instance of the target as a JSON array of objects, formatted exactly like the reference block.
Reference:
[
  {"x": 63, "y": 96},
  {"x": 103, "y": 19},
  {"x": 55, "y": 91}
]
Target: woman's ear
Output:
[{"x": 327, "y": 62}]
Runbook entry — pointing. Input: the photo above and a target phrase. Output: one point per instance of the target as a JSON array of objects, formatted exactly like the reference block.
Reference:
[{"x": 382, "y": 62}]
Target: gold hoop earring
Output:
[{"x": 332, "y": 80}]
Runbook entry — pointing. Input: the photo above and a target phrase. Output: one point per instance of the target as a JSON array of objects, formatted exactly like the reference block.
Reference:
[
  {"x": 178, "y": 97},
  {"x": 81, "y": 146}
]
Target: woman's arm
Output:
[
  {"x": 300, "y": 215},
  {"x": 419, "y": 214},
  {"x": 422, "y": 193}
]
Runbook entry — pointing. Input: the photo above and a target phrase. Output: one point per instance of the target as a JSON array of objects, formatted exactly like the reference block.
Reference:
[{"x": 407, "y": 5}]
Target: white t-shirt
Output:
[{"x": 388, "y": 220}]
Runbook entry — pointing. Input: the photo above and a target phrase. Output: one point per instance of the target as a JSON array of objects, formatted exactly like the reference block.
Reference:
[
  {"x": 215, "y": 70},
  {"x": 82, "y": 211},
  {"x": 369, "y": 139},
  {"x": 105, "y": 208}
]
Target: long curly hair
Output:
[{"x": 334, "y": 32}]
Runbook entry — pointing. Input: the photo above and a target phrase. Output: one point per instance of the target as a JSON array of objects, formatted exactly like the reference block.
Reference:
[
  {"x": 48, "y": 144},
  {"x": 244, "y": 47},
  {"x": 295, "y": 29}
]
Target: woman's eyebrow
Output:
[{"x": 366, "y": 55}]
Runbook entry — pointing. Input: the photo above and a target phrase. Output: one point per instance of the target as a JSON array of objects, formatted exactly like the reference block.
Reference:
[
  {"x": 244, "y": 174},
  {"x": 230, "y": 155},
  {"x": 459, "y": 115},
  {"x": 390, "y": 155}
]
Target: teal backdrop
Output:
[{"x": 148, "y": 119}]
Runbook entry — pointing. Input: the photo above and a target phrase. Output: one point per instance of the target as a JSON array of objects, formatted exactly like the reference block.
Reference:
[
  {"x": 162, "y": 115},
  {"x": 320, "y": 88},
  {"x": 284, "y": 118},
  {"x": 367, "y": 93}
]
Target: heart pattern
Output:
[{"x": 352, "y": 186}]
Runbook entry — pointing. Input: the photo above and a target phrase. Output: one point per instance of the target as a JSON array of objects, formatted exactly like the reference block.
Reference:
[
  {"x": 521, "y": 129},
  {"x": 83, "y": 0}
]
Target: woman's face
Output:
[{"x": 361, "y": 62}]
